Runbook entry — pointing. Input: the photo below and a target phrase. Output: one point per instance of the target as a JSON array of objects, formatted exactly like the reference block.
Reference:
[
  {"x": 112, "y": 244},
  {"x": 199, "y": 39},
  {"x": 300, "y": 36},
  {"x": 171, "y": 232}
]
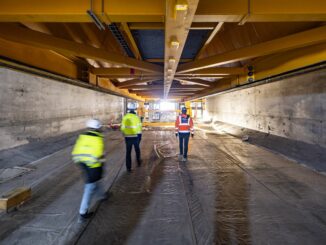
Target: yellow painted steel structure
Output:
[
  {"x": 60, "y": 37},
  {"x": 298, "y": 40},
  {"x": 154, "y": 11}
]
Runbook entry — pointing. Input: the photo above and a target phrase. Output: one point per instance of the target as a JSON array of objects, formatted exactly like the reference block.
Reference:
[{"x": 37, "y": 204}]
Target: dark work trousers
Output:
[
  {"x": 132, "y": 141},
  {"x": 183, "y": 143}
]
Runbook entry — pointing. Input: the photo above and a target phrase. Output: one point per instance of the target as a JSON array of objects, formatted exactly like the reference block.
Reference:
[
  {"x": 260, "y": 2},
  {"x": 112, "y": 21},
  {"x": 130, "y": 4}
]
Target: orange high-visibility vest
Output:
[{"x": 184, "y": 124}]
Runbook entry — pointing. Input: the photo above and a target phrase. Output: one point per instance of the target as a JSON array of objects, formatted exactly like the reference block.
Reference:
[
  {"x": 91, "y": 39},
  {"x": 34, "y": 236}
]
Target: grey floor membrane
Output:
[{"x": 229, "y": 192}]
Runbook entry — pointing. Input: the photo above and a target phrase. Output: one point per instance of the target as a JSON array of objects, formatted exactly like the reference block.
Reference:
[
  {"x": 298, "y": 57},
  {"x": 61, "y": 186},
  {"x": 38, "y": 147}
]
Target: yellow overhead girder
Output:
[
  {"x": 122, "y": 72},
  {"x": 216, "y": 71},
  {"x": 272, "y": 65},
  {"x": 178, "y": 18},
  {"x": 37, "y": 39},
  {"x": 301, "y": 39},
  {"x": 197, "y": 81},
  {"x": 154, "y": 10},
  {"x": 132, "y": 82}
]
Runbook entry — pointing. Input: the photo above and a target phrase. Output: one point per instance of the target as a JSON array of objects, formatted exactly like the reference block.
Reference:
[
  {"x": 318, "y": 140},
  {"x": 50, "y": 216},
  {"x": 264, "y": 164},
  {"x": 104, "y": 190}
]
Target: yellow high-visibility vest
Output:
[
  {"x": 88, "y": 149},
  {"x": 131, "y": 125}
]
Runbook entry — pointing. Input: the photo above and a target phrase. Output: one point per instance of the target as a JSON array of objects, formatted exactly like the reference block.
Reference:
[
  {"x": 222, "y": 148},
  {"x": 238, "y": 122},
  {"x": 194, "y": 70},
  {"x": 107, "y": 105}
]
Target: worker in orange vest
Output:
[{"x": 184, "y": 126}]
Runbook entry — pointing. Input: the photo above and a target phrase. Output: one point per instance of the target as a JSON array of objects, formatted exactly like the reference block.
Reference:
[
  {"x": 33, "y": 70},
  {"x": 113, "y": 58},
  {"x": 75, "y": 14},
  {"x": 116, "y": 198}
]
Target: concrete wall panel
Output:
[
  {"x": 34, "y": 107},
  {"x": 293, "y": 108}
]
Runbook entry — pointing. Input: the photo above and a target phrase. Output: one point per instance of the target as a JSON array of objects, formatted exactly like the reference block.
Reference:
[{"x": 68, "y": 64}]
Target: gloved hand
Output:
[
  {"x": 192, "y": 135},
  {"x": 176, "y": 135}
]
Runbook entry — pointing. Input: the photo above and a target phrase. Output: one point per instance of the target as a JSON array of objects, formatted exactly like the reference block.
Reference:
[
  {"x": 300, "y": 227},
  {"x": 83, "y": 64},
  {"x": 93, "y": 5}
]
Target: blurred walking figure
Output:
[
  {"x": 88, "y": 152},
  {"x": 131, "y": 128},
  {"x": 141, "y": 113},
  {"x": 183, "y": 127}
]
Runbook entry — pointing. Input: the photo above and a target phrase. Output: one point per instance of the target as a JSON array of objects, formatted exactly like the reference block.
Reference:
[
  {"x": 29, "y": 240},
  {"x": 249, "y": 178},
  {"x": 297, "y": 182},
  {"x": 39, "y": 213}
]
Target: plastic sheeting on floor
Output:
[{"x": 229, "y": 192}]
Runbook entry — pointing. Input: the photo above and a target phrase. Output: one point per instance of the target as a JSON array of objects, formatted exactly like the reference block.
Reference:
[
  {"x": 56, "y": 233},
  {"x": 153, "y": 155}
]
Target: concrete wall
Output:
[
  {"x": 34, "y": 107},
  {"x": 294, "y": 108}
]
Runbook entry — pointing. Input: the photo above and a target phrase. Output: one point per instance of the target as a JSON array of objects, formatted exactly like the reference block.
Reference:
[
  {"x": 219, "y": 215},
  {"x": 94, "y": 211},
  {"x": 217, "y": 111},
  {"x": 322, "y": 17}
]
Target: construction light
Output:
[
  {"x": 181, "y": 5},
  {"x": 169, "y": 70},
  {"x": 171, "y": 60},
  {"x": 175, "y": 44}
]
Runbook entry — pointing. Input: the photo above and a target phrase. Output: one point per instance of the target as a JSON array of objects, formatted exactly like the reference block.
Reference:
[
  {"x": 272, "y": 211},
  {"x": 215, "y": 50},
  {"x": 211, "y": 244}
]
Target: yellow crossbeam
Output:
[
  {"x": 154, "y": 10},
  {"x": 122, "y": 72},
  {"x": 305, "y": 38},
  {"x": 132, "y": 82},
  {"x": 215, "y": 71},
  {"x": 45, "y": 41},
  {"x": 197, "y": 81}
]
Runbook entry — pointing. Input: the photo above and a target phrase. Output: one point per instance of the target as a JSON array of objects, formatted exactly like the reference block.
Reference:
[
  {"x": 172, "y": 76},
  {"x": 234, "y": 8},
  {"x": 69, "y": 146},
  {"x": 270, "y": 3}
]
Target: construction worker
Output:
[
  {"x": 131, "y": 128},
  {"x": 88, "y": 152},
  {"x": 183, "y": 127},
  {"x": 141, "y": 113}
]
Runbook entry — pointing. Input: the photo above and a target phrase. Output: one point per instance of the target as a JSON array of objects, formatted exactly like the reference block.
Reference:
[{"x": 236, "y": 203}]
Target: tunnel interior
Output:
[{"x": 251, "y": 76}]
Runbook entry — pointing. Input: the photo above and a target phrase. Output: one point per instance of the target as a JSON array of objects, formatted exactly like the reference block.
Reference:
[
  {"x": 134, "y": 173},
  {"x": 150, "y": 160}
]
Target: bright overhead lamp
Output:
[
  {"x": 175, "y": 44},
  {"x": 181, "y": 5},
  {"x": 169, "y": 70},
  {"x": 171, "y": 60}
]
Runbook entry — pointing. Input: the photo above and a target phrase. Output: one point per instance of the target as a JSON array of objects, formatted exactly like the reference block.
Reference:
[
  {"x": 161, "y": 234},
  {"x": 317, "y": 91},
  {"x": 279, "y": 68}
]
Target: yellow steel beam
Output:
[
  {"x": 271, "y": 66},
  {"x": 122, "y": 72},
  {"x": 217, "y": 28},
  {"x": 197, "y": 81},
  {"x": 39, "y": 58},
  {"x": 162, "y": 60},
  {"x": 219, "y": 86},
  {"x": 132, "y": 82},
  {"x": 215, "y": 71},
  {"x": 161, "y": 26},
  {"x": 155, "y": 87},
  {"x": 130, "y": 40},
  {"x": 305, "y": 38},
  {"x": 292, "y": 60},
  {"x": 106, "y": 84},
  {"x": 178, "y": 19},
  {"x": 154, "y": 10},
  {"x": 41, "y": 40},
  {"x": 75, "y": 10},
  {"x": 260, "y": 11}
]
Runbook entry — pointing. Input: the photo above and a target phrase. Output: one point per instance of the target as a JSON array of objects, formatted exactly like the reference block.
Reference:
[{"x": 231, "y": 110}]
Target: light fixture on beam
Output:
[
  {"x": 181, "y": 5},
  {"x": 171, "y": 60},
  {"x": 169, "y": 71},
  {"x": 174, "y": 43}
]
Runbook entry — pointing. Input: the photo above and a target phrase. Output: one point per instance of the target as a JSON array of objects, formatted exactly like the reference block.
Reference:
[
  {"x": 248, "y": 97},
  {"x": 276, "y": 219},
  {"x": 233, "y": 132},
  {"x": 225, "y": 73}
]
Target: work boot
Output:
[
  {"x": 180, "y": 157},
  {"x": 129, "y": 170},
  {"x": 86, "y": 215},
  {"x": 184, "y": 159}
]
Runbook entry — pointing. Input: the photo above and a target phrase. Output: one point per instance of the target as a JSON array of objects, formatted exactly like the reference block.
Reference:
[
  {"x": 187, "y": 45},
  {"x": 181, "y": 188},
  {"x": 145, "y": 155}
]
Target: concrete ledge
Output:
[
  {"x": 15, "y": 197},
  {"x": 310, "y": 155}
]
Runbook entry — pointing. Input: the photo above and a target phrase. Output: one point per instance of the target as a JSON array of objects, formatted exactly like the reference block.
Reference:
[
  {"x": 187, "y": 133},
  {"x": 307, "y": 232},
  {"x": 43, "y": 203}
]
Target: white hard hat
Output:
[
  {"x": 93, "y": 123},
  {"x": 132, "y": 106}
]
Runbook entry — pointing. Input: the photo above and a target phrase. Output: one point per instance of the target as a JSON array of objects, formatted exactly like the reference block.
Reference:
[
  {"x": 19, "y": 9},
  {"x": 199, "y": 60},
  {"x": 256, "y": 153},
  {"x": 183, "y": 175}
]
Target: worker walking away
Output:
[
  {"x": 141, "y": 113},
  {"x": 184, "y": 126},
  {"x": 88, "y": 152},
  {"x": 131, "y": 128}
]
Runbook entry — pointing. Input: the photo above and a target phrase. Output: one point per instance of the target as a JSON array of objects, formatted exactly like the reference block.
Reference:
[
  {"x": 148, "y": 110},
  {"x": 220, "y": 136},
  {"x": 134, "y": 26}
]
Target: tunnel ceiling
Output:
[{"x": 176, "y": 49}]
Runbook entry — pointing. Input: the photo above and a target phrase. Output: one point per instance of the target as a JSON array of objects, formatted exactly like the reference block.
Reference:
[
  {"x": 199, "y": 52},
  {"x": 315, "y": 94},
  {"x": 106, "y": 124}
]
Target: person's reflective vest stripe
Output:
[
  {"x": 184, "y": 124},
  {"x": 89, "y": 148},
  {"x": 131, "y": 125}
]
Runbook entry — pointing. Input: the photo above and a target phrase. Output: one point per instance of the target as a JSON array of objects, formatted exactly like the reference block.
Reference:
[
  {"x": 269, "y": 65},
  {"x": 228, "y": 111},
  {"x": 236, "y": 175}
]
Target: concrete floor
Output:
[{"x": 229, "y": 192}]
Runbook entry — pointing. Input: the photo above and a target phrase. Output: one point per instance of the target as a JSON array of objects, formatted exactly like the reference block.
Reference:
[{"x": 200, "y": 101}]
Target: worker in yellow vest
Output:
[
  {"x": 131, "y": 128},
  {"x": 88, "y": 152}
]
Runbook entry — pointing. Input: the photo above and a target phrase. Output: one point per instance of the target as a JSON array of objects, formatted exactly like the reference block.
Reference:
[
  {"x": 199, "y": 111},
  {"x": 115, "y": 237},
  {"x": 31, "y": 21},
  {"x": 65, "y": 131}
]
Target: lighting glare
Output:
[
  {"x": 175, "y": 44},
  {"x": 167, "y": 106}
]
